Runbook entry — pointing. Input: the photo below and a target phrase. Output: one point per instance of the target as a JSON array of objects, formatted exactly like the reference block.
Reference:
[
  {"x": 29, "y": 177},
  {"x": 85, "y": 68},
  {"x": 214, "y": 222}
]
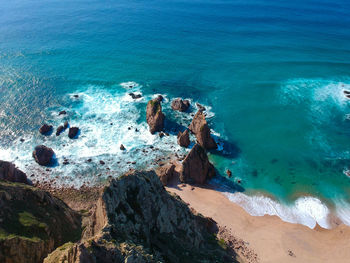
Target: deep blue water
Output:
[{"x": 272, "y": 73}]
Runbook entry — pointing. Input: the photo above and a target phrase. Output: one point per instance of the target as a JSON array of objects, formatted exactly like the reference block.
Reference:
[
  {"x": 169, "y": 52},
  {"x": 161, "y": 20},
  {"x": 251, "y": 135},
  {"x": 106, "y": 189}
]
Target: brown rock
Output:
[
  {"x": 45, "y": 129},
  {"x": 154, "y": 115},
  {"x": 229, "y": 173},
  {"x": 200, "y": 128},
  {"x": 180, "y": 105},
  {"x": 183, "y": 138},
  {"x": 43, "y": 155},
  {"x": 166, "y": 173},
  {"x": 9, "y": 172},
  {"x": 196, "y": 167}
]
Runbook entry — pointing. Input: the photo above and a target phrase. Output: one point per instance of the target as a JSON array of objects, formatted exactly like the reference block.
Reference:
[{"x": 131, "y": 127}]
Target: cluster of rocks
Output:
[
  {"x": 44, "y": 155},
  {"x": 195, "y": 168}
]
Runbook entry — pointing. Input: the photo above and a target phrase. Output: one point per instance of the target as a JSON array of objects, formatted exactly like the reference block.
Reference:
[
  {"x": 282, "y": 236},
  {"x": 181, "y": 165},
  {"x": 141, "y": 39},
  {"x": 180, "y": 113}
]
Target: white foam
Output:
[
  {"x": 305, "y": 210},
  {"x": 130, "y": 85}
]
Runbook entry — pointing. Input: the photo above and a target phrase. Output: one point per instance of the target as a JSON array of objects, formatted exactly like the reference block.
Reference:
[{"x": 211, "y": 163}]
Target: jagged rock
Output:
[
  {"x": 166, "y": 173},
  {"x": 59, "y": 130},
  {"x": 45, "y": 129},
  {"x": 180, "y": 105},
  {"x": 122, "y": 147},
  {"x": 137, "y": 220},
  {"x": 200, "y": 128},
  {"x": 43, "y": 155},
  {"x": 135, "y": 96},
  {"x": 73, "y": 132},
  {"x": 9, "y": 172},
  {"x": 183, "y": 138},
  {"x": 196, "y": 167},
  {"x": 159, "y": 98},
  {"x": 63, "y": 112},
  {"x": 66, "y": 124},
  {"x": 33, "y": 223},
  {"x": 154, "y": 115},
  {"x": 161, "y": 134},
  {"x": 200, "y": 107}
]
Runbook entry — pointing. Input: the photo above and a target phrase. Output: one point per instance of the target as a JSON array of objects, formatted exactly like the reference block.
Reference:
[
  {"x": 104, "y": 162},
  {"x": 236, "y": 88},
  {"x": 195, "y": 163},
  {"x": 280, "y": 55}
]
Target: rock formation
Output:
[
  {"x": 166, "y": 173},
  {"x": 9, "y": 172},
  {"x": 196, "y": 167},
  {"x": 180, "y": 105},
  {"x": 33, "y": 223},
  {"x": 43, "y": 155},
  {"x": 59, "y": 130},
  {"x": 73, "y": 132},
  {"x": 183, "y": 138},
  {"x": 154, "y": 115},
  {"x": 45, "y": 129},
  {"x": 200, "y": 128},
  {"x": 137, "y": 220}
]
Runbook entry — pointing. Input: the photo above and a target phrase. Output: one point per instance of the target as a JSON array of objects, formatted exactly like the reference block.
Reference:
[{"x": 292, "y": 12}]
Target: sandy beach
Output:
[{"x": 272, "y": 239}]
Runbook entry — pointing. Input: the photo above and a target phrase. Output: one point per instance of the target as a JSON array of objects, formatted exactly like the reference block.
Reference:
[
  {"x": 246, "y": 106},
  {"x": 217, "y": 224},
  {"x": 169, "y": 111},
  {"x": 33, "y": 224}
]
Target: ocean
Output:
[{"x": 270, "y": 73}]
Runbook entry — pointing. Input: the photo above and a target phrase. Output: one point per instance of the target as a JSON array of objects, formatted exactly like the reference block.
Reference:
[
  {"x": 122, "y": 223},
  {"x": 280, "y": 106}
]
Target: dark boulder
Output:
[
  {"x": 59, "y": 130},
  {"x": 180, "y": 105},
  {"x": 200, "y": 128},
  {"x": 9, "y": 172},
  {"x": 154, "y": 115},
  {"x": 63, "y": 112},
  {"x": 135, "y": 96},
  {"x": 73, "y": 132},
  {"x": 43, "y": 155},
  {"x": 183, "y": 138},
  {"x": 196, "y": 167},
  {"x": 45, "y": 129}
]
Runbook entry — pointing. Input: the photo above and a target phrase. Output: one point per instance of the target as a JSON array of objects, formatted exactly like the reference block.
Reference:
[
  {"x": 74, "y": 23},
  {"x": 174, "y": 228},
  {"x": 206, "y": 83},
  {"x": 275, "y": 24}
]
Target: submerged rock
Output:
[
  {"x": 137, "y": 220},
  {"x": 43, "y": 155},
  {"x": 33, "y": 223},
  {"x": 183, "y": 138},
  {"x": 9, "y": 172},
  {"x": 180, "y": 105},
  {"x": 73, "y": 132},
  {"x": 200, "y": 128},
  {"x": 229, "y": 173},
  {"x": 66, "y": 125},
  {"x": 45, "y": 129},
  {"x": 196, "y": 167},
  {"x": 63, "y": 112},
  {"x": 154, "y": 115},
  {"x": 135, "y": 96}
]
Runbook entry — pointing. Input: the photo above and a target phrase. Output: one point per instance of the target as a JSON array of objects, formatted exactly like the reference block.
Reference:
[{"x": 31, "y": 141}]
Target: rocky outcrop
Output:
[
  {"x": 166, "y": 173},
  {"x": 43, "y": 155},
  {"x": 139, "y": 221},
  {"x": 73, "y": 132},
  {"x": 33, "y": 223},
  {"x": 154, "y": 115},
  {"x": 196, "y": 167},
  {"x": 180, "y": 105},
  {"x": 183, "y": 138},
  {"x": 45, "y": 129},
  {"x": 135, "y": 96},
  {"x": 200, "y": 128},
  {"x": 9, "y": 172}
]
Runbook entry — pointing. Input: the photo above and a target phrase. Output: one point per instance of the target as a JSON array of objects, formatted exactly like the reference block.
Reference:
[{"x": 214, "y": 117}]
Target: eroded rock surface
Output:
[
  {"x": 183, "y": 138},
  {"x": 154, "y": 115},
  {"x": 9, "y": 172},
  {"x": 200, "y": 128}
]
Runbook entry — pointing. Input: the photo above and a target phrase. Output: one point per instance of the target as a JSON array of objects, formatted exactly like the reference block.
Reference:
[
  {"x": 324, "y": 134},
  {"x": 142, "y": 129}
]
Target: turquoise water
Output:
[{"x": 272, "y": 73}]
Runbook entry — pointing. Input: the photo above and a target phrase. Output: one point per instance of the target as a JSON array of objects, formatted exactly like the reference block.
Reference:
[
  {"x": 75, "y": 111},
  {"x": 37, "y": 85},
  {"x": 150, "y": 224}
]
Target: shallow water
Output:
[{"x": 273, "y": 74}]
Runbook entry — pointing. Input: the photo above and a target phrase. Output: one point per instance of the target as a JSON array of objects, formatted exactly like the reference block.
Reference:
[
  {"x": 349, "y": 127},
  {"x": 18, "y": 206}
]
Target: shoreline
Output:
[{"x": 272, "y": 239}]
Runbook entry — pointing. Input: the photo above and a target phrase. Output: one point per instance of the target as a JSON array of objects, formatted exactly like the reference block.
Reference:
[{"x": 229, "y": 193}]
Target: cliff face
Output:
[
  {"x": 33, "y": 223},
  {"x": 137, "y": 220}
]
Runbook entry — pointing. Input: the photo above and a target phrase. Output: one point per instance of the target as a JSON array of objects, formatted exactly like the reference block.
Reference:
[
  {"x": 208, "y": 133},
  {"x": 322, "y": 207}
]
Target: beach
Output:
[{"x": 272, "y": 239}]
